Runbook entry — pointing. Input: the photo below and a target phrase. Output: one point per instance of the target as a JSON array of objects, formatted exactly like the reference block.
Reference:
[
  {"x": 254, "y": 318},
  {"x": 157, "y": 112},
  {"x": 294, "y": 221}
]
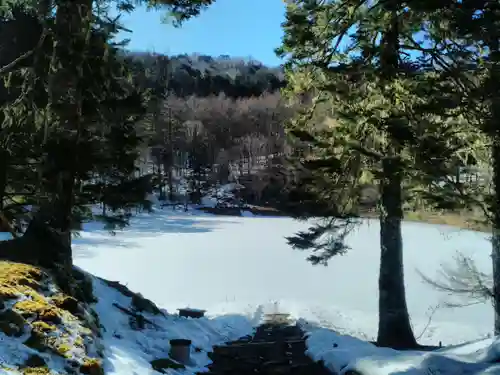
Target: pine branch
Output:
[{"x": 12, "y": 65}]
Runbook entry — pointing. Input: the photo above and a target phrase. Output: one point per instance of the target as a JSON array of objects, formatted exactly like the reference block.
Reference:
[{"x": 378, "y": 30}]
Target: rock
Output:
[
  {"x": 143, "y": 304},
  {"x": 35, "y": 360},
  {"x": 12, "y": 323},
  {"x": 36, "y": 341},
  {"x": 92, "y": 366},
  {"x": 191, "y": 313},
  {"x": 67, "y": 303},
  {"x": 84, "y": 288},
  {"x": 119, "y": 287},
  {"x": 161, "y": 364},
  {"x": 2, "y": 303}
]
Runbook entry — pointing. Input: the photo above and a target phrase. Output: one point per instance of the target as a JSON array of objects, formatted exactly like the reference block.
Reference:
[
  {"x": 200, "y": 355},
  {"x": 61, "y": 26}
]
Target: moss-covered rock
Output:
[
  {"x": 42, "y": 370},
  {"x": 42, "y": 327},
  {"x": 42, "y": 309},
  {"x": 92, "y": 366},
  {"x": 12, "y": 323},
  {"x": 32, "y": 301},
  {"x": 68, "y": 303},
  {"x": 17, "y": 278},
  {"x": 36, "y": 341}
]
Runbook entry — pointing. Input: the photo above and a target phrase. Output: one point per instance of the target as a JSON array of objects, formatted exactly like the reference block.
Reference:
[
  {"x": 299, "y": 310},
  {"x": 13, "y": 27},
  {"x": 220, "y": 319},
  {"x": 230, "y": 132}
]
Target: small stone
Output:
[
  {"x": 12, "y": 323},
  {"x": 92, "y": 367},
  {"x": 35, "y": 360}
]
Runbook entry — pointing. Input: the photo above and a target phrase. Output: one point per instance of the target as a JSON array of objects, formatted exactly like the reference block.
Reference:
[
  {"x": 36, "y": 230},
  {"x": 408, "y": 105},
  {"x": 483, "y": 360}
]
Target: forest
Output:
[{"x": 390, "y": 125}]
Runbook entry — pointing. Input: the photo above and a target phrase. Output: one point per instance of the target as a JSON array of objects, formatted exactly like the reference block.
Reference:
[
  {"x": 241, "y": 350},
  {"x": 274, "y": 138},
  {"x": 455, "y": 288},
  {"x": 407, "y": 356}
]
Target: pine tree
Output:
[
  {"x": 464, "y": 45},
  {"x": 78, "y": 93},
  {"x": 365, "y": 122}
]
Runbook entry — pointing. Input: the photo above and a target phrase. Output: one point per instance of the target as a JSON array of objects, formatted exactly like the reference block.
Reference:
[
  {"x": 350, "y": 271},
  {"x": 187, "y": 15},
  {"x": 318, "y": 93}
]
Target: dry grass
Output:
[{"x": 463, "y": 219}]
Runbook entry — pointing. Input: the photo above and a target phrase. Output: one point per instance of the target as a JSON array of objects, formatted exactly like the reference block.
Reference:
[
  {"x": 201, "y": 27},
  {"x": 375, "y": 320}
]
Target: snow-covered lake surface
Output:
[{"x": 230, "y": 264}]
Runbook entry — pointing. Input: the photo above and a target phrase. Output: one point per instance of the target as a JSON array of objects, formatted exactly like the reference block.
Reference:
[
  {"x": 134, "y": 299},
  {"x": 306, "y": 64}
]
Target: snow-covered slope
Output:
[{"x": 43, "y": 331}]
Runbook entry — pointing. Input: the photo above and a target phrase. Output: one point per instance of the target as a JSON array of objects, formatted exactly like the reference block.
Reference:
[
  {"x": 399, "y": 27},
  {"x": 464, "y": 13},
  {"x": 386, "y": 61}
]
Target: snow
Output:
[
  {"x": 129, "y": 352},
  {"x": 228, "y": 263},
  {"x": 343, "y": 353},
  {"x": 237, "y": 268}
]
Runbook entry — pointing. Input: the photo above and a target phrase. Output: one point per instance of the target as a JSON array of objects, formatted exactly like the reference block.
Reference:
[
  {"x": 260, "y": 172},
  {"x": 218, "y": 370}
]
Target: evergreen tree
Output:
[
  {"x": 78, "y": 94},
  {"x": 464, "y": 45},
  {"x": 347, "y": 61}
]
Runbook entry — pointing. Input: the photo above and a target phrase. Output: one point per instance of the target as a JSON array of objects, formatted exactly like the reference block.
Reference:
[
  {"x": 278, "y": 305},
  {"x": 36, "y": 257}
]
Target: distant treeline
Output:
[{"x": 199, "y": 75}]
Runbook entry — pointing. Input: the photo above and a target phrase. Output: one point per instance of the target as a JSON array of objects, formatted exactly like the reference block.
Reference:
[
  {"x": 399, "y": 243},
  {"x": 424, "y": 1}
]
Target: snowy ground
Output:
[
  {"x": 224, "y": 264},
  {"x": 239, "y": 267}
]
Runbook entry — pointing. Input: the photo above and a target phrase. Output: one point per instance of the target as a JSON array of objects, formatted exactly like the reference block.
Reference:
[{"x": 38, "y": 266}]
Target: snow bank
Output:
[
  {"x": 343, "y": 353},
  {"x": 129, "y": 351}
]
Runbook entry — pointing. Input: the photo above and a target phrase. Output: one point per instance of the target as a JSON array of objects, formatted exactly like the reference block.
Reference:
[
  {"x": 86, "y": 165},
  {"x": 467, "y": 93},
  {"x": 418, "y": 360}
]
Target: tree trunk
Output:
[
  {"x": 161, "y": 185},
  {"x": 495, "y": 249},
  {"x": 171, "y": 156},
  {"x": 493, "y": 131},
  {"x": 4, "y": 163},
  {"x": 71, "y": 32},
  {"x": 394, "y": 327}
]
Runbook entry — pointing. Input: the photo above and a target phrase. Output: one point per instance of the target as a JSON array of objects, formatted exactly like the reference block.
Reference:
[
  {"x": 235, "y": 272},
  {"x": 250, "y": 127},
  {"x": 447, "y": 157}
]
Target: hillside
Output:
[
  {"x": 43, "y": 331},
  {"x": 200, "y": 75}
]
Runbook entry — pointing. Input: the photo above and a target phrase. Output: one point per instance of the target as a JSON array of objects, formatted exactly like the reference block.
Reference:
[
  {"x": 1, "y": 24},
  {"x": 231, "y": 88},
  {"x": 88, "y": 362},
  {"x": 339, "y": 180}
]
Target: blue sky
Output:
[{"x": 241, "y": 28}]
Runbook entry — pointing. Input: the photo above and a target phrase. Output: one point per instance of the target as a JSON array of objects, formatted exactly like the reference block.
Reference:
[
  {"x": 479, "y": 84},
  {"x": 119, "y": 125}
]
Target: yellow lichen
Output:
[
  {"x": 41, "y": 308},
  {"x": 63, "y": 349},
  {"x": 36, "y": 370},
  {"x": 46, "y": 314},
  {"x": 18, "y": 276},
  {"x": 79, "y": 342},
  {"x": 8, "y": 292},
  {"x": 42, "y": 327}
]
